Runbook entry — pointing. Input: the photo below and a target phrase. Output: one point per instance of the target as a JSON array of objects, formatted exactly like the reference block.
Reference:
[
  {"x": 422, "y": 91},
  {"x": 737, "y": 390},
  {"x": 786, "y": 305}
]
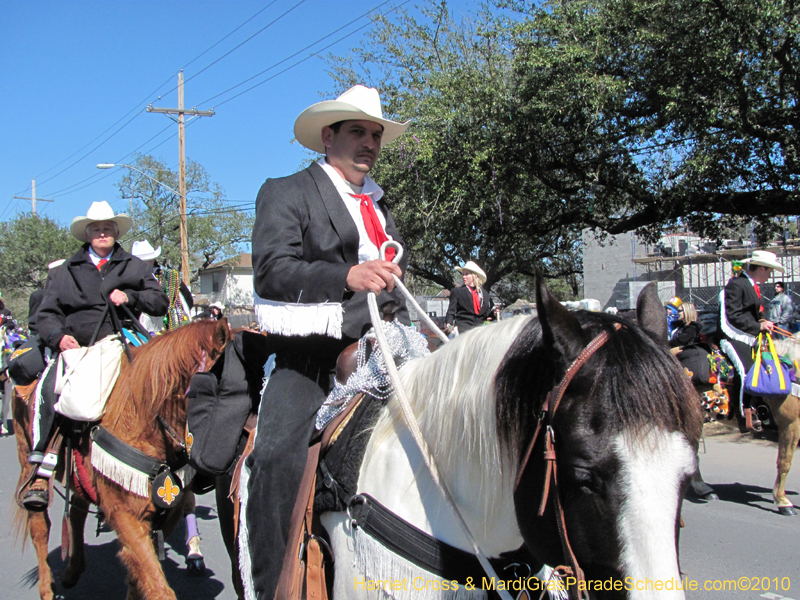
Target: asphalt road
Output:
[{"x": 741, "y": 535}]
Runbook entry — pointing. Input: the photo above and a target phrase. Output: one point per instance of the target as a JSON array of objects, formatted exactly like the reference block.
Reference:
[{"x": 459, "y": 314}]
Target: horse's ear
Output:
[
  {"x": 222, "y": 334},
  {"x": 650, "y": 313},
  {"x": 561, "y": 330}
]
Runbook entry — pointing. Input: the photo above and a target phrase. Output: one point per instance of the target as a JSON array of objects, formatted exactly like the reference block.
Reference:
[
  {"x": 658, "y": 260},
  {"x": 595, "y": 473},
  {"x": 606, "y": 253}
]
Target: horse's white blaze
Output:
[{"x": 652, "y": 470}]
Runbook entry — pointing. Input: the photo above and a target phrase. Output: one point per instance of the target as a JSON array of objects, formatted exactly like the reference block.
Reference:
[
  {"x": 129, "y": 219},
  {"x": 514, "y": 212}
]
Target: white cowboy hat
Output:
[
  {"x": 359, "y": 103},
  {"x": 473, "y": 268},
  {"x": 144, "y": 251},
  {"x": 218, "y": 305},
  {"x": 99, "y": 211},
  {"x": 764, "y": 259}
]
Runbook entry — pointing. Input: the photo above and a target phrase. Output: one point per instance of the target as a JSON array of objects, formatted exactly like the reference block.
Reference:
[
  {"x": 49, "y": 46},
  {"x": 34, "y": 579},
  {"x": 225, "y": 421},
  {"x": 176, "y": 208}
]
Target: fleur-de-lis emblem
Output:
[{"x": 168, "y": 491}]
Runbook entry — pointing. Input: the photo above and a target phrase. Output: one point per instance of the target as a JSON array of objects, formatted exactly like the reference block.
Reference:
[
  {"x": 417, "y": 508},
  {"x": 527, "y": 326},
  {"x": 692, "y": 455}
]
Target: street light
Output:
[{"x": 184, "y": 240}]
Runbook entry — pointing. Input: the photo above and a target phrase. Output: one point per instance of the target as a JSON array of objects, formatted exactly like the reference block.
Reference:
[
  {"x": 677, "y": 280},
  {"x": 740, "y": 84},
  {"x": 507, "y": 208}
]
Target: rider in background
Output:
[
  {"x": 73, "y": 305},
  {"x": 685, "y": 329},
  {"x": 740, "y": 322},
  {"x": 469, "y": 305}
]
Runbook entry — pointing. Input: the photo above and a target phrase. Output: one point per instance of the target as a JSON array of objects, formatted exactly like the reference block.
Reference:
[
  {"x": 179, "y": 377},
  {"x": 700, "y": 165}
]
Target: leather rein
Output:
[{"x": 546, "y": 417}]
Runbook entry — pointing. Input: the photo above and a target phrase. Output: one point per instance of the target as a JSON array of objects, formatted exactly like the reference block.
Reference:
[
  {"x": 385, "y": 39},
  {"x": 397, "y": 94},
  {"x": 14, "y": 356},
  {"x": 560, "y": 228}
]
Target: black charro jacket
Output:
[
  {"x": 741, "y": 311},
  {"x": 305, "y": 242},
  {"x": 461, "y": 310},
  {"x": 76, "y": 294}
]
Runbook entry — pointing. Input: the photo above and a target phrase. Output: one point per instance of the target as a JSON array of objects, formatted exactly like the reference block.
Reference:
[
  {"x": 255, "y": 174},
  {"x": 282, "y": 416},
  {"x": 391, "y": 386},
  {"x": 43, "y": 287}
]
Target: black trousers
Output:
[
  {"x": 297, "y": 388},
  {"x": 745, "y": 355},
  {"x": 47, "y": 413}
]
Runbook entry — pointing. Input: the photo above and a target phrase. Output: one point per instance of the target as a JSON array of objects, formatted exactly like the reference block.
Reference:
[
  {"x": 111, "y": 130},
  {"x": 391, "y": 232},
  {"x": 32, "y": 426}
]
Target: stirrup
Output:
[
  {"x": 751, "y": 420},
  {"x": 35, "y": 499}
]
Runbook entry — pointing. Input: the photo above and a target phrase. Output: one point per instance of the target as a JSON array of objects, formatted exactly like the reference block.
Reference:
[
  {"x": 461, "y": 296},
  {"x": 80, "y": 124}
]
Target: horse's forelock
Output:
[
  {"x": 645, "y": 386},
  {"x": 641, "y": 385}
]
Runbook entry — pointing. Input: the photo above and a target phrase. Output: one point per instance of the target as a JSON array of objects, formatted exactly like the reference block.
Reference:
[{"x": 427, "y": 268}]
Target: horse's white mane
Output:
[
  {"x": 452, "y": 395},
  {"x": 790, "y": 347}
]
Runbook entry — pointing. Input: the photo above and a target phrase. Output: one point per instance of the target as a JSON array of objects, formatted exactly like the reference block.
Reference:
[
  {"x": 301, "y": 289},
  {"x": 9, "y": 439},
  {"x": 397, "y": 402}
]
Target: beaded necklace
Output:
[{"x": 171, "y": 284}]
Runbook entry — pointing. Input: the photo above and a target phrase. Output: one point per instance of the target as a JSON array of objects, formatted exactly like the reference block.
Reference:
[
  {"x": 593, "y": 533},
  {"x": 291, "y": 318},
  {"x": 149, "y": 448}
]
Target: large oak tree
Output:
[{"x": 532, "y": 122}]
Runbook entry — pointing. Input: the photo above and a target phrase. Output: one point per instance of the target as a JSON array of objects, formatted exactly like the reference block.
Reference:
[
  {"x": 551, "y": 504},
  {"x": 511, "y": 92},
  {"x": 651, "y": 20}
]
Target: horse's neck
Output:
[{"x": 394, "y": 473}]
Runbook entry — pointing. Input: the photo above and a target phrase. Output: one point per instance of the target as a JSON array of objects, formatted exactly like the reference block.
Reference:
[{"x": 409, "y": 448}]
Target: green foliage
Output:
[
  {"x": 453, "y": 190},
  {"x": 533, "y": 122},
  {"x": 28, "y": 243},
  {"x": 215, "y": 229},
  {"x": 663, "y": 111}
]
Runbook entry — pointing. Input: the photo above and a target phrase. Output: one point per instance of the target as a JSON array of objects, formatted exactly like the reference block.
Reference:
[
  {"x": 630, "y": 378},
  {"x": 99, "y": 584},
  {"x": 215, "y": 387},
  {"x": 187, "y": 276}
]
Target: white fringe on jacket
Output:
[{"x": 283, "y": 318}]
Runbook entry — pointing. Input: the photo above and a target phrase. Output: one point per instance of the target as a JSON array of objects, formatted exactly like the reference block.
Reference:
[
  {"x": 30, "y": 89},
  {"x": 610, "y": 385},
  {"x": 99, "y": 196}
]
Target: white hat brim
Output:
[
  {"x": 79, "y": 225},
  {"x": 308, "y": 126},
  {"x": 149, "y": 255},
  {"x": 473, "y": 268},
  {"x": 765, "y": 262}
]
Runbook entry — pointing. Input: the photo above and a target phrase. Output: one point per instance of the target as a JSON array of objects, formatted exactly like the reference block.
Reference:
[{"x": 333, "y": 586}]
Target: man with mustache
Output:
[{"x": 316, "y": 256}]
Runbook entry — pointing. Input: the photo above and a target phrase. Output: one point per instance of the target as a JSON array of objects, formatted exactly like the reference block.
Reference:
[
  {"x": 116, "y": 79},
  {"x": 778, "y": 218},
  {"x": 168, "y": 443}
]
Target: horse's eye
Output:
[{"x": 584, "y": 478}]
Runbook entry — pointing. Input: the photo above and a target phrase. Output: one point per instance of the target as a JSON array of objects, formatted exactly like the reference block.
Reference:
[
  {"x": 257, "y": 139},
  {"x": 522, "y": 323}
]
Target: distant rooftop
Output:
[{"x": 242, "y": 261}]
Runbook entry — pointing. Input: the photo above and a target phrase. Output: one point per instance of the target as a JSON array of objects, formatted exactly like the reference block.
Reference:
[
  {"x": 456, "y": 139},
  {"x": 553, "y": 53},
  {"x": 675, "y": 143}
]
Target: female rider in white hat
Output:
[{"x": 469, "y": 305}]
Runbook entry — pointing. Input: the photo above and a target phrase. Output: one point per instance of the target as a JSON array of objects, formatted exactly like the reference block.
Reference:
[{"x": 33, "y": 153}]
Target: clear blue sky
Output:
[{"x": 74, "y": 73}]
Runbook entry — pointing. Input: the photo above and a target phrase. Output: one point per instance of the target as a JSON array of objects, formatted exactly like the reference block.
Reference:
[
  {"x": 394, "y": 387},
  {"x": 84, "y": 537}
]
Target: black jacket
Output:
[
  {"x": 741, "y": 312},
  {"x": 686, "y": 334},
  {"x": 76, "y": 294},
  {"x": 461, "y": 310},
  {"x": 33, "y": 307},
  {"x": 304, "y": 244}
]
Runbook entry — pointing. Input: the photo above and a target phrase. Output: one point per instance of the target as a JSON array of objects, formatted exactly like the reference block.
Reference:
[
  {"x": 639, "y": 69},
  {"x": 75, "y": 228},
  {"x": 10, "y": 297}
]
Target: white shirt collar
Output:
[
  {"x": 96, "y": 259},
  {"x": 370, "y": 188}
]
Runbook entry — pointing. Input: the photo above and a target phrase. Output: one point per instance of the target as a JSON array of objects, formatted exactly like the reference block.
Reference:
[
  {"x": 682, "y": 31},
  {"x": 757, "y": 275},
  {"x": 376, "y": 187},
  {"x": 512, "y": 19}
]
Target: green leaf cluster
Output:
[
  {"x": 216, "y": 230},
  {"x": 28, "y": 243},
  {"x": 533, "y": 122}
]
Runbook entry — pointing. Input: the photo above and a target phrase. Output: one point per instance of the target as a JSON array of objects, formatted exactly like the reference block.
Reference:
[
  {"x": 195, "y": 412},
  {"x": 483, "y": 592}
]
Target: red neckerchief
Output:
[
  {"x": 758, "y": 293},
  {"x": 372, "y": 224},
  {"x": 476, "y": 300}
]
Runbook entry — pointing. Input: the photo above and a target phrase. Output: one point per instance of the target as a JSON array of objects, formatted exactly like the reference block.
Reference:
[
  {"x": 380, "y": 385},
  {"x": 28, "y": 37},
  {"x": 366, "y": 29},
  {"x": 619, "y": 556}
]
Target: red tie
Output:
[
  {"x": 101, "y": 263},
  {"x": 476, "y": 300},
  {"x": 758, "y": 293},
  {"x": 372, "y": 224}
]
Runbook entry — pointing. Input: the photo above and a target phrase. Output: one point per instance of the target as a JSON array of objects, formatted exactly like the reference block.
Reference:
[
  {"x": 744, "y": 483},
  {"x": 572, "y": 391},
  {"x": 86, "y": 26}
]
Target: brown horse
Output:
[
  {"x": 786, "y": 413},
  {"x": 145, "y": 410}
]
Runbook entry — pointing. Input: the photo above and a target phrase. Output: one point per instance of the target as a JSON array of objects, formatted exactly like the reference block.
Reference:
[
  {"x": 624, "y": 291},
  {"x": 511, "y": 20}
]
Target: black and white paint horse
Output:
[{"x": 626, "y": 435}]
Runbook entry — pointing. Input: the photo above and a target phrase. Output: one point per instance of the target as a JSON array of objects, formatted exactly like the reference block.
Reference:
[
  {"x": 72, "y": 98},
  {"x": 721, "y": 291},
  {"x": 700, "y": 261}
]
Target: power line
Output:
[
  {"x": 99, "y": 176},
  {"x": 299, "y": 52},
  {"x": 155, "y": 91},
  {"x": 270, "y": 24},
  {"x": 229, "y": 34},
  {"x": 217, "y": 95},
  {"x": 102, "y": 134}
]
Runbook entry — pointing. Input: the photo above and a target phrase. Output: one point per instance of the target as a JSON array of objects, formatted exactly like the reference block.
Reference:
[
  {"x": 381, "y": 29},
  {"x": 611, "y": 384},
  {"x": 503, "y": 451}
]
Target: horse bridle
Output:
[{"x": 546, "y": 416}]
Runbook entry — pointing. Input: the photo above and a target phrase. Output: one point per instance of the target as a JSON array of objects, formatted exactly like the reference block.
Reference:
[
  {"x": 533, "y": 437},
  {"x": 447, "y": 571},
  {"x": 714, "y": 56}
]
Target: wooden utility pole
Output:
[
  {"x": 181, "y": 112},
  {"x": 33, "y": 199}
]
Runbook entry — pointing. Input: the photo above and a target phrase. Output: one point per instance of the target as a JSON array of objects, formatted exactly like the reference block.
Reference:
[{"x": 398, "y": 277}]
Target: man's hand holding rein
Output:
[{"x": 372, "y": 276}]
